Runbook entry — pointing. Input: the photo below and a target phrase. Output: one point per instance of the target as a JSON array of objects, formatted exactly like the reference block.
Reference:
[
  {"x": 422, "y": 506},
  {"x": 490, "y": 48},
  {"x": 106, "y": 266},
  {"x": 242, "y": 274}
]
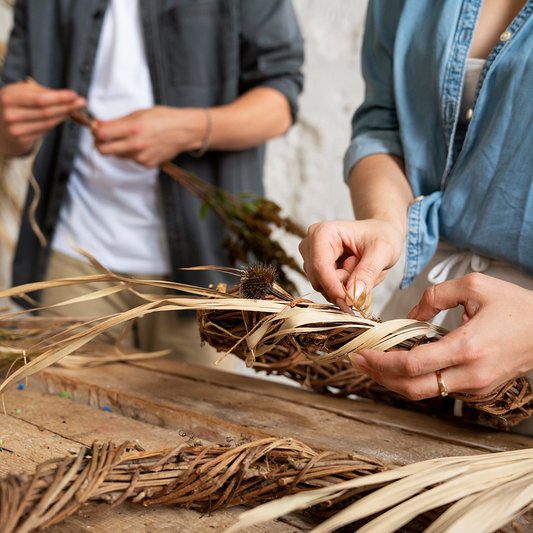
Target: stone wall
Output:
[{"x": 304, "y": 169}]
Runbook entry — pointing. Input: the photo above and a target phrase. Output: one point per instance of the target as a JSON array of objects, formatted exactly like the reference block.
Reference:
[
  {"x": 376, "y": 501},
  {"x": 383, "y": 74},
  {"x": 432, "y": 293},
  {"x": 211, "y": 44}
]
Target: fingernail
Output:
[
  {"x": 341, "y": 304},
  {"x": 359, "y": 288},
  {"x": 358, "y": 360}
]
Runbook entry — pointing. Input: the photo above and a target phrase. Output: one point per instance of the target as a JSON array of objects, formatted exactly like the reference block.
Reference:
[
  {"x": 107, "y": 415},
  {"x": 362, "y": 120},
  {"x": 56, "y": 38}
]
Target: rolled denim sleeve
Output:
[
  {"x": 271, "y": 49},
  {"x": 375, "y": 127},
  {"x": 15, "y": 67}
]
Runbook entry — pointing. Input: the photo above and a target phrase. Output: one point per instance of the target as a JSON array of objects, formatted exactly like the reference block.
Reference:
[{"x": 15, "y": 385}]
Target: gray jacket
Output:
[{"x": 200, "y": 53}]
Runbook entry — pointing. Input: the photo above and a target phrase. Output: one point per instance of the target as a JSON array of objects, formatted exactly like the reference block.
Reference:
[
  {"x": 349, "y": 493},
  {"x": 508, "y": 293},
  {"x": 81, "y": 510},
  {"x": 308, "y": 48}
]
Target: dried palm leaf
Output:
[
  {"x": 31, "y": 337},
  {"x": 315, "y": 336},
  {"x": 489, "y": 490},
  {"x": 283, "y": 323}
]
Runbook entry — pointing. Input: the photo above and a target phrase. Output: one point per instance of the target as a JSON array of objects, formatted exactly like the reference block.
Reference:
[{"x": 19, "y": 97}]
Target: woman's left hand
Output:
[
  {"x": 151, "y": 136},
  {"x": 493, "y": 345}
]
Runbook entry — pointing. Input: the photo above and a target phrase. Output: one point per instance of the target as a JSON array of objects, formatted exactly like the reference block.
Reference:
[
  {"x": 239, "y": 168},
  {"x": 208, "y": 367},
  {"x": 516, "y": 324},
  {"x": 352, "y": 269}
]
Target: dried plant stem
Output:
[
  {"x": 316, "y": 339},
  {"x": 204, "y": 478},
  {"x": 248, "y": 218}
]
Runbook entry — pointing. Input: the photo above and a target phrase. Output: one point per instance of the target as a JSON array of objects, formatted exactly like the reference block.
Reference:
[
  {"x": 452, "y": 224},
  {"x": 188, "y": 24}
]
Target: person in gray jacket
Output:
[{"x": 202, "y": 83}]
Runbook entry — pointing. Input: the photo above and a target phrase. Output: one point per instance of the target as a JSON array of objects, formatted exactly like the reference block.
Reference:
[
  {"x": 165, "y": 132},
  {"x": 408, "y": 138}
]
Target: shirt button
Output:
[
  {"x": 505, "y": 36},
  {"x": 85, "y": 68},
  {"x": 469, "y": 114}
]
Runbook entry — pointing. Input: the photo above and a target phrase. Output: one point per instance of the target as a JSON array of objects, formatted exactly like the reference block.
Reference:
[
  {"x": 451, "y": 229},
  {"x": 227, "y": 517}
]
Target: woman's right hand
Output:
[
  {"x": 28, "y": 111},
  {"x": 360, "y": 252},
  {"x": 343, "y": 252}
]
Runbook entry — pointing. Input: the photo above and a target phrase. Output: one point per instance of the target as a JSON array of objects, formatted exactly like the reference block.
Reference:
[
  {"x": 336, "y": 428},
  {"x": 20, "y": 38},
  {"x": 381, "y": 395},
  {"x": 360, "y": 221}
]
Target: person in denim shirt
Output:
[{"x": 442, "y": 150}]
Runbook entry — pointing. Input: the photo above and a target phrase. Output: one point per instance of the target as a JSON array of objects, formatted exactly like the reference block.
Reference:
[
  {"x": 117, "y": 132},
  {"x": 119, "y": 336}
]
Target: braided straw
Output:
[{"x": 200, "y": 477}]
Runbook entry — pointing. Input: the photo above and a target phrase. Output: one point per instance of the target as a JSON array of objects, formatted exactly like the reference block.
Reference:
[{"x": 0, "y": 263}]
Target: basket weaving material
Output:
[
  {"x": 201, "y": 477},
  {"x": 307, "y": 342},
  {"x": 316, "y": 357}
]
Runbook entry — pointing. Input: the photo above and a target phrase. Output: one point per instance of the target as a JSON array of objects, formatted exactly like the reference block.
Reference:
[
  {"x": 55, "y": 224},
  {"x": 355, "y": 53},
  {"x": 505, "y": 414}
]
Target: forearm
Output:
[
  {"x": 380, "y": 190},
  {"x": 256, "y": 116}
]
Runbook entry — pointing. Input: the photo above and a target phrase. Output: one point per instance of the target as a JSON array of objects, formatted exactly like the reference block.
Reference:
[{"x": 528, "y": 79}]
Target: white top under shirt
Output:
[
  {"x": 113, "y": 206},
  {"x": 474, "y": 66}
]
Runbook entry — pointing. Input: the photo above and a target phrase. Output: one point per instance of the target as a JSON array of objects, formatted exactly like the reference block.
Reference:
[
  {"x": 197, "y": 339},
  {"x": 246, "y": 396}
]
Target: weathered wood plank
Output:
[
  {"x": 49, "y": 426},
  {"x": 214, "y": 412},
  {"x": 83, "y": 424},
  {"x": 137, "y": 519},
  {"x": 365, "y": 411}
]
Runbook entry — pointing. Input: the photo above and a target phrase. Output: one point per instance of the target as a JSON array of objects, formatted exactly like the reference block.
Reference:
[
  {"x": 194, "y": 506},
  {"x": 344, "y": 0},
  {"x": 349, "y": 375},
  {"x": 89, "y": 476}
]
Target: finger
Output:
[
  {"x": 341, "y": 304},
  {"x": 421, "y": 360},
  {"x": 324, "y": 275},
  {"x": 28, "y": 114},
  {"x": 437, "y": 298},
  {"x": 455, "y": 379},
  {"x": 416, "y": 388},
  {"x": 121, "y": 128},
  {"x": 369, "y": 271},
  {"x": 26, "y": 95},
  {"x": 34, "y": 128},
  {"x": 120, "y": 148},
  {"x": 313, "y": 269}
]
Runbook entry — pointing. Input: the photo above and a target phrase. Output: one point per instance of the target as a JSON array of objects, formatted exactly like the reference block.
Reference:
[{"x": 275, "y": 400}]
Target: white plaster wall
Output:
[{"x": 304, "y": 169}]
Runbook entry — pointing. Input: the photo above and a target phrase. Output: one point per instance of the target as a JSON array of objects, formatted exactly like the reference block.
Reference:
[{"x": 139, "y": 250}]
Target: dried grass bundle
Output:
[
  {"x": 314, "y": 338},
  {"x": 489, "y": 491},
  {"x": 341, "y": 489},
  {"x": 33, "y": 336},
  {"x": 200, "y": 477}
]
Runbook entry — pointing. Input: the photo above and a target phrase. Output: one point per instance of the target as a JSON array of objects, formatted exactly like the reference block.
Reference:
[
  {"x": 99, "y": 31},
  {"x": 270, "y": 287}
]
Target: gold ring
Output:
[{"x": 442, "y": 386}]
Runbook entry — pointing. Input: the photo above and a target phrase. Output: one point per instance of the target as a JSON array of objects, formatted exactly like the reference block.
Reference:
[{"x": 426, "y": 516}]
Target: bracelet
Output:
[{"x": 207, "y": 137}]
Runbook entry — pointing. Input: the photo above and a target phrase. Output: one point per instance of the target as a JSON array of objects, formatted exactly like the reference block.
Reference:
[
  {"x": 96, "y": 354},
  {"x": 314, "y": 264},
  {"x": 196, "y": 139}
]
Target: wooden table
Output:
[{"x": 159, "y": 401}]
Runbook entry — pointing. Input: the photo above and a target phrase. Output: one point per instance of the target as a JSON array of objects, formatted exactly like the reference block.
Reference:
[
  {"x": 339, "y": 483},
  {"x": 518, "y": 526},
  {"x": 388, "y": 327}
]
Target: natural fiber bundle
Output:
[
  {"x": 28, "y": 338},
  {"x": 489, "y": 492},
  {"x": 200, "y": 477},
  {"x": 312, "y": 348},
  {"x": 312, "y": 337}
]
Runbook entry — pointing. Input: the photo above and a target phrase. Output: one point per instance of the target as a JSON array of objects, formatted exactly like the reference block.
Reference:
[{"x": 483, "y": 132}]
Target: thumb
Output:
[{"x": 437, "y": 298}]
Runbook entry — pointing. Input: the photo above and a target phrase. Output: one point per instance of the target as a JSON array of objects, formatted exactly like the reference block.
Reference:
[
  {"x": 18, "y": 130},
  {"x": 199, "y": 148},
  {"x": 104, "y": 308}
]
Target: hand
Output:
[
  {"x": 28, "y": 111},
  {"x": 336, "y": 253},
  {"x": 151, "y": 136},
  {"x": 493, "y": 345}
]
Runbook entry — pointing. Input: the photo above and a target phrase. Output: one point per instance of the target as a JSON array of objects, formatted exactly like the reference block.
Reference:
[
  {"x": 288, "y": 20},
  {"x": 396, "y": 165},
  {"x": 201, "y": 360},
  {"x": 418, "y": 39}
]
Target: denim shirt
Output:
[{"x": 481, "y": 199}]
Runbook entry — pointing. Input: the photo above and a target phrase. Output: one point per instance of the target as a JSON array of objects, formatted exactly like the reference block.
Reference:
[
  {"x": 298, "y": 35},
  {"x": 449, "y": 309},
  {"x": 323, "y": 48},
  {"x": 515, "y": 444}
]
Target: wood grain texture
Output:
[
  {"x": 162, "y": 403},
  {"x": 216, "y": 411},
  {"x": 50, "y": 426}
]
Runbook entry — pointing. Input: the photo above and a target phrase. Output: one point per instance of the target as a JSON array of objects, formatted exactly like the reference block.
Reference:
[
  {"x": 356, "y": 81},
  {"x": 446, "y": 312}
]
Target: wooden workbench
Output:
[{"x": 161, "y": 402}]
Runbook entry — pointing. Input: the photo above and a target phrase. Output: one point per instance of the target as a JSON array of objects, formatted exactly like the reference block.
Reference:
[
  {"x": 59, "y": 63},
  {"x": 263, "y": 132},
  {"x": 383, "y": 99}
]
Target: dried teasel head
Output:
[
  {"x": 259, "y": 280},
  {"x": 362, "y": 304}
]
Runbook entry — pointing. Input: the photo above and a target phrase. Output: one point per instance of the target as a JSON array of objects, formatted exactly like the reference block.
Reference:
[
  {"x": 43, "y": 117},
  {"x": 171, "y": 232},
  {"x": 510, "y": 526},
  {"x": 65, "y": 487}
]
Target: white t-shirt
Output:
[
  {"x": 113, "y": 206},
  {"x": 474, "y": 66}
]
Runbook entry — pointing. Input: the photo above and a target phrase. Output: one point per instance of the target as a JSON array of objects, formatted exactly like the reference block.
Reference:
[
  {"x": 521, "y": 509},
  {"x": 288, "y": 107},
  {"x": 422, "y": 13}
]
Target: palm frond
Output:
[
  {"x": 489, "y": 491},
  {"x": 283, "y": 320}
]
